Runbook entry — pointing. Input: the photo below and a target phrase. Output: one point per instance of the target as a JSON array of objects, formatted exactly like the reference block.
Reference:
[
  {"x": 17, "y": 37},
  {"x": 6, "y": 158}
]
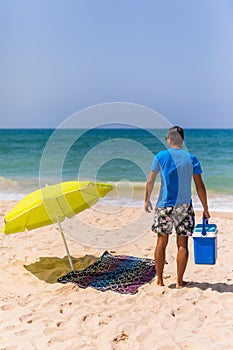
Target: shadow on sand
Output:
[
  {"x": 49, "y": 269},
  {"x": 218, "y": 287}
]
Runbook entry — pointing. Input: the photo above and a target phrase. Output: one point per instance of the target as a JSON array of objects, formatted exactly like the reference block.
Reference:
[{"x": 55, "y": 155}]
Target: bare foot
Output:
[
  {"x": 181, "y": 285},
  {"x": 160, "y": 283}
]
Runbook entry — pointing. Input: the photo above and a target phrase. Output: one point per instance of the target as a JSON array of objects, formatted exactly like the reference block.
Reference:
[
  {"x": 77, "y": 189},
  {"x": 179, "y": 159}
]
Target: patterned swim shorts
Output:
[{"x": 182, "y": 217}]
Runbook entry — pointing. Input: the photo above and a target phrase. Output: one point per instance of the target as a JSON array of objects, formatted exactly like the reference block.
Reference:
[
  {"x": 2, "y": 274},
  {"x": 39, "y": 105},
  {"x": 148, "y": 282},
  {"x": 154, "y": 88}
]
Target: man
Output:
[{"x": 177, "y": 167}]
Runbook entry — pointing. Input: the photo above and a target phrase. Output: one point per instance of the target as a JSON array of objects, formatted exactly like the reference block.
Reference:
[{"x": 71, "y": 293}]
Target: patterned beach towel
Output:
[{"x": 119, "y": 273}]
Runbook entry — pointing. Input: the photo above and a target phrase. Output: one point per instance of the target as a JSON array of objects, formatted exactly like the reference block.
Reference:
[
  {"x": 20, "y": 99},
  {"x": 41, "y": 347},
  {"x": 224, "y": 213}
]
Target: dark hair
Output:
[{"x": 176, "y": 134}]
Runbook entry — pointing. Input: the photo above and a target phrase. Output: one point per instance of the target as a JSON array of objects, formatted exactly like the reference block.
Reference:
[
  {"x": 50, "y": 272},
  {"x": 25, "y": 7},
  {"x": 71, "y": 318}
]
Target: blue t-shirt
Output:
[{"x": 176, "y": 167}]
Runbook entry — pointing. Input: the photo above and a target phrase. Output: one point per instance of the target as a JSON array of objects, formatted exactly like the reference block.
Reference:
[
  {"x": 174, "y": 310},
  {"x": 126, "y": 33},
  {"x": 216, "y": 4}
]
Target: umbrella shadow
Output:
[
  {"x": 49, "y": 269},
  {"x": 218, "y": 287}
]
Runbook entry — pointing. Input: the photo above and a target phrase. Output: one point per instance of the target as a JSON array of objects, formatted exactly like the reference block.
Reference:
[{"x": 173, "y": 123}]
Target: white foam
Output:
[
  {"x": 14, "y": 190},
  {"x": 10, "y": 196},
  {"x": 218, "y": 202}
]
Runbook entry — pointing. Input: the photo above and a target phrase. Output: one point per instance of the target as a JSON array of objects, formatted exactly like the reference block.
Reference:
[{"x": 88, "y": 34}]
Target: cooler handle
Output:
[{"x": 204, "y": 222}]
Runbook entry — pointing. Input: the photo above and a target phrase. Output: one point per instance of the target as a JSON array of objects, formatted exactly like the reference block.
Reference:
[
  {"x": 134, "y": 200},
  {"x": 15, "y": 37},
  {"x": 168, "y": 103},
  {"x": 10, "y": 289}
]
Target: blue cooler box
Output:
[{"x": 205, "y": 243}]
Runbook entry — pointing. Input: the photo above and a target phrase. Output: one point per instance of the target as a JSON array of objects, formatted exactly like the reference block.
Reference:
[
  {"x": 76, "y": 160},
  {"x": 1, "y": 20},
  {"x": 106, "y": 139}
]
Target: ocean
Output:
[{"x": 32, "y": 158}]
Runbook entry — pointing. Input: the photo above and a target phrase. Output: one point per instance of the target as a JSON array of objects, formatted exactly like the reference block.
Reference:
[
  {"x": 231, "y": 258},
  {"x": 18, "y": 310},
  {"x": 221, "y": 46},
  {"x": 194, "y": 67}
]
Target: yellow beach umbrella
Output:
[{"x": 52, "y": 204}]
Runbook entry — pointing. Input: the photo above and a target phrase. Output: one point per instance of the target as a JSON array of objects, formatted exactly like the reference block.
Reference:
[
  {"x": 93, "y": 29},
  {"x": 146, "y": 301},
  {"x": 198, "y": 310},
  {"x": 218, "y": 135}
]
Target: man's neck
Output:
[{"x": 176, "y": 146}]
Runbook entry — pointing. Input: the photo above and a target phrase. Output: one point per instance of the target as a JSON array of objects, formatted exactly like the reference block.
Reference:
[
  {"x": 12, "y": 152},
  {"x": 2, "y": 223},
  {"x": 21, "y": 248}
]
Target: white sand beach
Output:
[{"x": 38, "y": 313}]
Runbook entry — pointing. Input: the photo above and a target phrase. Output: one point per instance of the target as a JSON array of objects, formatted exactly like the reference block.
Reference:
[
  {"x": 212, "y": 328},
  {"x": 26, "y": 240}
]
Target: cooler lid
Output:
[{"x": 211, "y": 230}]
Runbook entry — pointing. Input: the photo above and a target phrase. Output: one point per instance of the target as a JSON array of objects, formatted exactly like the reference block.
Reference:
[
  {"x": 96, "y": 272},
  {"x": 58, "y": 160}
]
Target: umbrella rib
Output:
[
  {"x": 90, "y": 194},
  {"x": 60, "y": 208},
  {"x": 28, "y": 217}
]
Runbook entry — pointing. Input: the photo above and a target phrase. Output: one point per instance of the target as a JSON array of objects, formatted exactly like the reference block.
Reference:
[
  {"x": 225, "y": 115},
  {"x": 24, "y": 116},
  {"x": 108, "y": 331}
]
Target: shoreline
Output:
[
  {"x": 125, "y": 193},
  {"x": 198, "y": 211}
]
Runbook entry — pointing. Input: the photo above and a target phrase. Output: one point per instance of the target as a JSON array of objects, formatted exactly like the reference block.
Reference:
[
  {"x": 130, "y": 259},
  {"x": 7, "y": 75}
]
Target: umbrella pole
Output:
[{"x": 66, "y": 246}]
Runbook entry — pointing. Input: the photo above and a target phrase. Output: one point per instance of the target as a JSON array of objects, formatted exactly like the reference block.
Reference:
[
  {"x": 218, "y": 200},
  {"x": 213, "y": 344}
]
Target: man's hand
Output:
[
  {"x": 206, "y": 214},
  {"x": 149, "y": 187},
  {"x": 148, "y": 207}
]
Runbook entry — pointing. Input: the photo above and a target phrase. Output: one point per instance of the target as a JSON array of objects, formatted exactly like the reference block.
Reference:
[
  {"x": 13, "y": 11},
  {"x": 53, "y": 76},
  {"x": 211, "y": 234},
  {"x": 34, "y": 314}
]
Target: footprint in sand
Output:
[
  {"x": 7, "y": 307},
  {"x": 28, "y": 318},
  {"x": 23, "y": 332},
  {"x": 122, "y": 337}
]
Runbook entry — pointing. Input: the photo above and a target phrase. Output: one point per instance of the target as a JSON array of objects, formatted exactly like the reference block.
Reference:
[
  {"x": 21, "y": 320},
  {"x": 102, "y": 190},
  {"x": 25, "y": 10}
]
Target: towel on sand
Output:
[{"x": 119, "y": 273}]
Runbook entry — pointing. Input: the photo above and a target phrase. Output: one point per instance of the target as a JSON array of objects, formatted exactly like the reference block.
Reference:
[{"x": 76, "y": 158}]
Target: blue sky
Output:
[{"x": 174, "y": 56}]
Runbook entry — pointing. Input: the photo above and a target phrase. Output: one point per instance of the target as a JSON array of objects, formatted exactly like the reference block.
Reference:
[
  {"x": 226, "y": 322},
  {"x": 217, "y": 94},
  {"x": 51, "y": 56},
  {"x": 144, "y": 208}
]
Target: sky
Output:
[{"x": 61, "y": 56}]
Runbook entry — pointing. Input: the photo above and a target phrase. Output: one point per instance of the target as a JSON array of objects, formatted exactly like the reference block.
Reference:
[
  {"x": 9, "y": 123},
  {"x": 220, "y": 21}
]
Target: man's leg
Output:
[
  {"x": 160, "y": 250},
  {"x": 182, "y": 258}
]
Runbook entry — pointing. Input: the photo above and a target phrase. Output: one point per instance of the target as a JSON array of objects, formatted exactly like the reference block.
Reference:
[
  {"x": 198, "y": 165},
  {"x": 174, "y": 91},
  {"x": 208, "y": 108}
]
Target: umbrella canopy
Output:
[{"x": 52, "y": 204}]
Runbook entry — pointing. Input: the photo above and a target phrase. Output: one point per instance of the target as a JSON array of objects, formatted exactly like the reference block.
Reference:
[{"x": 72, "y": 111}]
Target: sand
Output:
[{"x": 36, "y": 312}]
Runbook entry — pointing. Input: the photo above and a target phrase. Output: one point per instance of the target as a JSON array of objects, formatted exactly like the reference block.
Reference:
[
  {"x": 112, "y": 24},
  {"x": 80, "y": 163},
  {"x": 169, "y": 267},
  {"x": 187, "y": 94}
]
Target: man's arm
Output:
[
  {"x": 201, "y": 191},
  {"x": 149, "y": 187}
]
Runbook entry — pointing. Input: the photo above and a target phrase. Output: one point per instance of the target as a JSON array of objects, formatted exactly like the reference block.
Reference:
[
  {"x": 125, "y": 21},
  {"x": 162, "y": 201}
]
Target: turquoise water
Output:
[{"x": 122, "y": 156}]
